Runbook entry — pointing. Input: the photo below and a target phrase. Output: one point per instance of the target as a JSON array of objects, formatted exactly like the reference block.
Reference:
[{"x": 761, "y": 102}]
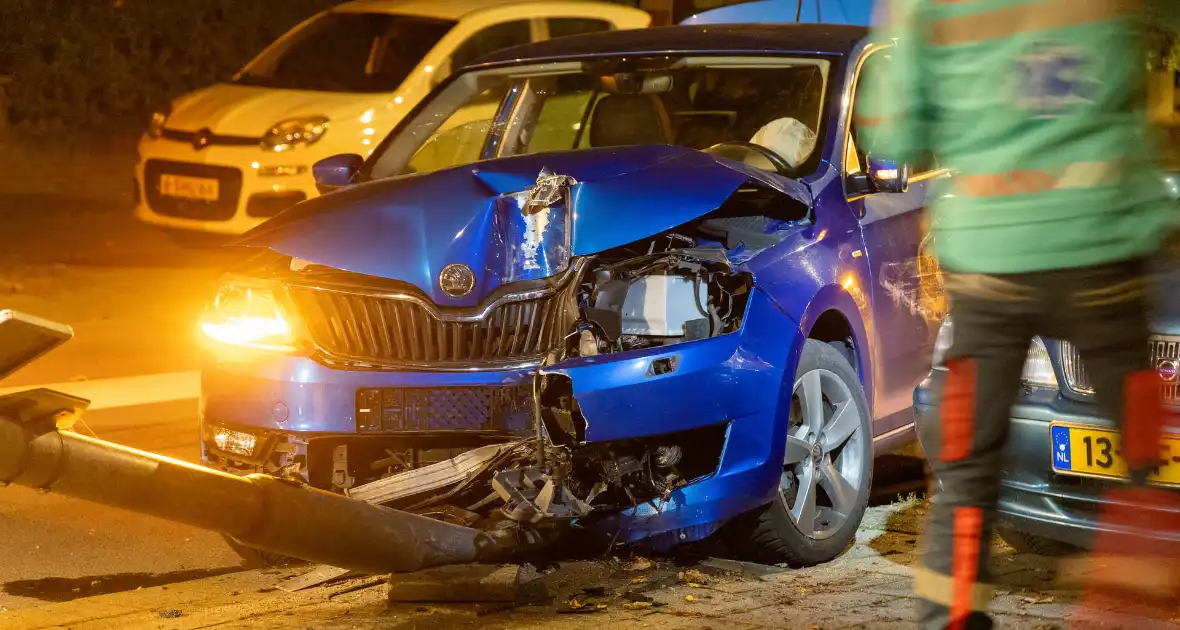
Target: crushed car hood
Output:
[{"x": 410, "y": 228}]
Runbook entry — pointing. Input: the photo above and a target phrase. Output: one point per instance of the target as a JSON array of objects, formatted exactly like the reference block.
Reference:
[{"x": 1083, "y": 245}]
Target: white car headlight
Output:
[
  {"x": 1038, "y": 367},
  {"x": 248, "y": 315},
  {"x": 289, "y": 134}
]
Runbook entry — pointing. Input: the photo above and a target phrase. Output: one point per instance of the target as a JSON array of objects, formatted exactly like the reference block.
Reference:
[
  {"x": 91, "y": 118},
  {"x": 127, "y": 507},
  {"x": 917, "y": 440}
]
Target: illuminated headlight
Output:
[
  {"x": 289, "y": 134},
  {"x": 248, "y": 315},
  {"x": 1038, "y": 368},
  {"x": 236, "y": 442}
]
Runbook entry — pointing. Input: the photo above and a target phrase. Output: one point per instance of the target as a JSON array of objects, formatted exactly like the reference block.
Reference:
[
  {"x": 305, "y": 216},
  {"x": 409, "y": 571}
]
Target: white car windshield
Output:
[
  {"x": 765, "y": 111},
  {"x": 348, "y": 52}
]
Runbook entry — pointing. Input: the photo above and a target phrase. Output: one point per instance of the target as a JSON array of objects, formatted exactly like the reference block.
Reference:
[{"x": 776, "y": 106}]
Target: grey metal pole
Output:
[{"x": 258, "y": 511}]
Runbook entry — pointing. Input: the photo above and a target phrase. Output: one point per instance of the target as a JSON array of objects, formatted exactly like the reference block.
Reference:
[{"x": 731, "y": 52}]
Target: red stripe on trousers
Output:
[
  {"x": 958, "y": 411},
  {"x": 1143, "y": 419},
  {"x": 965, "y": 564}
]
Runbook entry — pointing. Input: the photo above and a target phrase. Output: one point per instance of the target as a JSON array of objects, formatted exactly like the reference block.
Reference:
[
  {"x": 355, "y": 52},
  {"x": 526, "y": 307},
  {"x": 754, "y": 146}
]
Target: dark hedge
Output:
[
  {"x": 99, "y": 64},
  {"x": 94, "y": 63}
]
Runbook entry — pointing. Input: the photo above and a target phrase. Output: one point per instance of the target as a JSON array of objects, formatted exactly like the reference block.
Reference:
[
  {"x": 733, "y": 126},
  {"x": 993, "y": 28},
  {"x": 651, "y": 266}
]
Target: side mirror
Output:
[
  {"x": 336, "y": 172},
  {"x": 888, "y": 176}
]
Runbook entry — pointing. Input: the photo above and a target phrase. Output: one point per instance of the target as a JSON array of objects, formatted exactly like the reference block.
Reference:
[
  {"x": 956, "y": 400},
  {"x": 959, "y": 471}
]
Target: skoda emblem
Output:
[
  {"x": 1168, "y": 370},
  {"x": 456, "y": 280},
  {"x": 202, "y": 138}
]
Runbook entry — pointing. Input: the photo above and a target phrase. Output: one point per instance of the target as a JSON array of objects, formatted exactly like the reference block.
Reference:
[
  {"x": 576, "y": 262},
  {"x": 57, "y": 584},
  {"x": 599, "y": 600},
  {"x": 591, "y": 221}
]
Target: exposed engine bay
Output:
[{"x": 525, "y": 481}]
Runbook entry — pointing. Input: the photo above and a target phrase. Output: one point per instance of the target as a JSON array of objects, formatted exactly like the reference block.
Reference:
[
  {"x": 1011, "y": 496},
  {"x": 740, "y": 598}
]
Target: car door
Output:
[{"x": 908, "y": 303}]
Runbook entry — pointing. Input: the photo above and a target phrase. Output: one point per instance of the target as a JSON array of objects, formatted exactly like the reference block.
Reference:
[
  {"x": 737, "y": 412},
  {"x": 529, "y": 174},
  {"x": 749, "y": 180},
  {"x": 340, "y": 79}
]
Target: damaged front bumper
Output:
[{"x": 664, "y": 444}]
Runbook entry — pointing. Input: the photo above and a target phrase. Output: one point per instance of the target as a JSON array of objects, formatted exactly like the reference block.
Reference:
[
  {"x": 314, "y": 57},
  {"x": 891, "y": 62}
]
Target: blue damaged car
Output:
[{"x": 641, "y": 287}]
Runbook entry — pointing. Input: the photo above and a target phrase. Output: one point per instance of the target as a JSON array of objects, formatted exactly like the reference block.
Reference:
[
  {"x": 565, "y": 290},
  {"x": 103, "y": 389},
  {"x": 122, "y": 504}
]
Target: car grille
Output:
[
  {"x": 1167, "y": 349},
  {"x": 444, "y": 409},
  {"x": 404, "y": 329},
  {"x": 200, "y": 140},
  {"x": 1160, "y": 349},
  {"x": 229, "y": 190}
]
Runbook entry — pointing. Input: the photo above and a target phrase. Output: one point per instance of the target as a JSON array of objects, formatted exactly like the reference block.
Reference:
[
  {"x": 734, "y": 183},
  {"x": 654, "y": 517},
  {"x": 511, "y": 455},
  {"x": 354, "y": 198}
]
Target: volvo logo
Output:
[
  {"x": 202, "y": 138},
  {"x": 1168, "y": 370},
  {"x": 456, "y": 280}
]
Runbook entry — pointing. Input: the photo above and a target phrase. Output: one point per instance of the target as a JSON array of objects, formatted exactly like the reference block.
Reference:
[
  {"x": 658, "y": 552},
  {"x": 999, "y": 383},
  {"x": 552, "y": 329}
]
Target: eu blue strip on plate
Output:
[{"x": 1061, "y": 449}]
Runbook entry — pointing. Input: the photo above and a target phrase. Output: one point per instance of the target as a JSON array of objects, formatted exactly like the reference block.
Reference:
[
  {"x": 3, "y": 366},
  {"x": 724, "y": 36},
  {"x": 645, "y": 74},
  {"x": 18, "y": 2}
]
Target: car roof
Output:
[
  {"x": 727, "y": 38},
  {"x": 437, "y": 9}
]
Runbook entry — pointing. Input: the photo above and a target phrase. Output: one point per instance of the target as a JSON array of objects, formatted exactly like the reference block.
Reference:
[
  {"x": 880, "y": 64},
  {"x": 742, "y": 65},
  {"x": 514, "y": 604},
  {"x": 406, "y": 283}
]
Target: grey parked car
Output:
[{"x": 1062, "y": 452}]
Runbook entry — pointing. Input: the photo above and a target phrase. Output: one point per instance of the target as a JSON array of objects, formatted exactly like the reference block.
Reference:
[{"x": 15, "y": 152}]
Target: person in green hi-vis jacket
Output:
[{"x": 1055, "y": 206}]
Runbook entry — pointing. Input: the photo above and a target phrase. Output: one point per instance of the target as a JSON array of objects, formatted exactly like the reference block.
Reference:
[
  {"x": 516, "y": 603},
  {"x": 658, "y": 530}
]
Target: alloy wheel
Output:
[{"x": 823, "y": 469}]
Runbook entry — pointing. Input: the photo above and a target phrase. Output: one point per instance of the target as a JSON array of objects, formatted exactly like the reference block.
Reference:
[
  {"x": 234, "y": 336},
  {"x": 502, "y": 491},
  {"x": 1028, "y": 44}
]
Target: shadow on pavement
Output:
[
  {"x": 66, "y": 589},
  {"x": 895, "y": 478}
]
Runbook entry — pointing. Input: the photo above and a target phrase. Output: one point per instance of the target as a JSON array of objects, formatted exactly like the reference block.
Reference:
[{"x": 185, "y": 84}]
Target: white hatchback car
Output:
[{"x": 226, "y": 158}]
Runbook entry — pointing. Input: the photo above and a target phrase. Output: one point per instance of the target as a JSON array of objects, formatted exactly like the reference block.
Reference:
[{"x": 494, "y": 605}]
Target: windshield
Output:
[
  {"x": 765, "y": 111},
  {"x": 348, "y": 52}
]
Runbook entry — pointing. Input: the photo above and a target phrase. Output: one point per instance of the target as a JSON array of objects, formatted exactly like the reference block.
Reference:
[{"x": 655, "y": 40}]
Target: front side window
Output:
[
  {"x": 765, "y": 111},
  {"x": 489, "y": 40},
  {"x": 858, "y": 150},
  {"x": 348, "y": 52}
]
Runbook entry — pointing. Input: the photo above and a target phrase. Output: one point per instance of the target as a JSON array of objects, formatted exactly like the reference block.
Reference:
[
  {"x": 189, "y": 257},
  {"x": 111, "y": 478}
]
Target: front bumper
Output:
[
  {"x": 736, "y": 380},
  {"x": 1033, "y": 498},
  {"x": 246, "y": 198}
]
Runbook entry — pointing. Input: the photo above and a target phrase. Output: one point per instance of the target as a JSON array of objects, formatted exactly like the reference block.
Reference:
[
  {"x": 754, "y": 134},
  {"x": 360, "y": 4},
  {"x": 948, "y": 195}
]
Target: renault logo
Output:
[
  {"x": 456, "y": 280},
  {"x": 202, "y": 138}
]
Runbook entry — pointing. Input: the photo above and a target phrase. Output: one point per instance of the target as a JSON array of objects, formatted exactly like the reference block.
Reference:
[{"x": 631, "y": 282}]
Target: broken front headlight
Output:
[{"x": 247, "y": 314}]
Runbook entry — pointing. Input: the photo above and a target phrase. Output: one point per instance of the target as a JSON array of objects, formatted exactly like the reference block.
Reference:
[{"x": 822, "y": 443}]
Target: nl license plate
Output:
[
  {"x": 1090, "y": 452},
  {"x": 198, "y": 188}
]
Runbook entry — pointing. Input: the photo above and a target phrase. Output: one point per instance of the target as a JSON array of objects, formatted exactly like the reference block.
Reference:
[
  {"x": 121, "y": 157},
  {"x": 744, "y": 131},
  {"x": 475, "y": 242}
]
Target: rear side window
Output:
[
  {"x": 564, "y": 27},
  {"x": 489, "y": 40}
]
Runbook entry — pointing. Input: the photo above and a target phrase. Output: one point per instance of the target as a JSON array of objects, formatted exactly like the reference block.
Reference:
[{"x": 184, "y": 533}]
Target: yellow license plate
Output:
[
  {"x": 1090, "y": 452},
  {"x": 199, "y": 188}
]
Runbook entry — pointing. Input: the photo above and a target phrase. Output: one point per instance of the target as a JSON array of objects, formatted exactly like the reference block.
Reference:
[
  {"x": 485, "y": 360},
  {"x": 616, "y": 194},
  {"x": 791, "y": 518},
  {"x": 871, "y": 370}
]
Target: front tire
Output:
[{"x": 827, "y": 470}]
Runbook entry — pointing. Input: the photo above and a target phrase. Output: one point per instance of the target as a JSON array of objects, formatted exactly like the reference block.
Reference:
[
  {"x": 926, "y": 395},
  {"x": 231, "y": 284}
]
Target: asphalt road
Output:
[
  {"x": 56, "y": 548},
  {"x": 134, "y": 318}
]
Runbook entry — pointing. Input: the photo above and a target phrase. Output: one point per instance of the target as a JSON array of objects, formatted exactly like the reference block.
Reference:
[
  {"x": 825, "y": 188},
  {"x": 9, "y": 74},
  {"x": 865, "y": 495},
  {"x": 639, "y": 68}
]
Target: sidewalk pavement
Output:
[{"x": 868, "y": 587}]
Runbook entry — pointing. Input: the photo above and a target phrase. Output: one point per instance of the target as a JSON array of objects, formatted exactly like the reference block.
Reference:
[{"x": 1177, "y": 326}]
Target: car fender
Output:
[{"x": 815, "y": 273}]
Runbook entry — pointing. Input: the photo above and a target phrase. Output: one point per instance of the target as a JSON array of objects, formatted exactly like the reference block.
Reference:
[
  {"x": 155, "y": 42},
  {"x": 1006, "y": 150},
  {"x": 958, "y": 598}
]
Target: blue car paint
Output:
[
  {"x": 856, "y": 12},
  {"x": 407, "y": 228}
]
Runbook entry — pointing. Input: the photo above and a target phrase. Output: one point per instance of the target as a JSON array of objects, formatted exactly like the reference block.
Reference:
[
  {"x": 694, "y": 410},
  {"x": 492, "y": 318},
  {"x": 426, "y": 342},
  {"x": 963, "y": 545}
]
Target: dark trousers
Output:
[{"x": 1103, "y": 311}]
